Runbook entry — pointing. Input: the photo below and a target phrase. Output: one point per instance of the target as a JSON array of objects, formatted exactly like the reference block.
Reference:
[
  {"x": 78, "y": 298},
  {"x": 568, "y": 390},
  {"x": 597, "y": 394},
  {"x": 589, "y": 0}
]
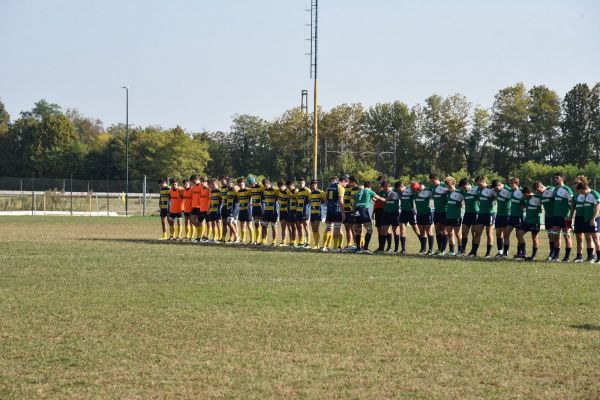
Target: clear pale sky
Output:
[{"x": 196, "y": 63}]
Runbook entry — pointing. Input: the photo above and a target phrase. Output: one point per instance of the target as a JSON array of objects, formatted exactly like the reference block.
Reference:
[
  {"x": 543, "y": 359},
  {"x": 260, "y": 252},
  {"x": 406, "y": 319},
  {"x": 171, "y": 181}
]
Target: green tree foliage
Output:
[
  {"x": 477, "y": 144},
  {"x": 344, "y": 137},
  {"x": 544, "y": 120},
  {"x": 577, "y": 143},
  {"x": 290, "y": 134}
]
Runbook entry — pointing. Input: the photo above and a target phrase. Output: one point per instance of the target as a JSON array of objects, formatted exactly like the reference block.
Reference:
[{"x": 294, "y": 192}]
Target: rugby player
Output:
[{"x": 335, "y": 211}]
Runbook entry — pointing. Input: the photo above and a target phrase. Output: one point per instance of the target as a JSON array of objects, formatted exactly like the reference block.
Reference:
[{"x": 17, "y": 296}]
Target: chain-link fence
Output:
[{"x": 46, "y": 196}]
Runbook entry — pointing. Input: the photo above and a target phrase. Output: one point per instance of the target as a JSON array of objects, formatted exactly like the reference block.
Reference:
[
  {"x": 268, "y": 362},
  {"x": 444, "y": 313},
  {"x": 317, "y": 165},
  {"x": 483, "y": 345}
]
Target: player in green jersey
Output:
[
  {"x": 578, "y": 221},
  {"x": 471, "y": 195},
  {"x": 453, "y": 221},
  {"x": 548, "y": 205},
  {"x": 532, "y": 201},
  {"x": 591, "y": 216},
  {"x": 561, "y": 217},
  {"x": 391, "y": 215},
  {"x": 423, "y": 196},
  {"x": 486, "y": 216},
  {"x": 408, "y": 213},
  {"x": 362, "y": 202},
  {"x": 440, "y": 199},
  {"x": 503, "y": 198},
  {"x": 515, "y": 215}
]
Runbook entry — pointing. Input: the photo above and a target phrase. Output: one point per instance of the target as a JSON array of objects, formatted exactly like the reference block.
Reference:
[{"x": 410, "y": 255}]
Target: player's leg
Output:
[
  {"x": 566, "y": 232},
  {"x": 164, "y": 223},
  {"x": 489, "y": 230},
  {"x": 534, "y": 245},
  {"x": 383, "y": 237},
  {"x": 500, "y": 225},
  {"x": 521, "y": 246}
]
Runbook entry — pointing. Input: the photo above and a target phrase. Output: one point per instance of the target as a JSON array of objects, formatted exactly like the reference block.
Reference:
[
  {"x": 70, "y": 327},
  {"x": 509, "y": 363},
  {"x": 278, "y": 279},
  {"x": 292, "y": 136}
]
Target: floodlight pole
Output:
[
  {"x": 126, "y": 149},
  {"x": 315, "y": 5}
]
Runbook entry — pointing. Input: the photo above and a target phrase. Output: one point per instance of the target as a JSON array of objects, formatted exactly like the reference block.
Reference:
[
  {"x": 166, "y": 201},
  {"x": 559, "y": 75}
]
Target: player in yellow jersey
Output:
[
  {"x": 245, "y": 210},
  {"x": 291, "y": 212},
  {"x": 317, "y": 199},
  {"x": 270, "y": 212},
  {"x": 256, "y": 198},
  {"x": 283, "y": 199},
  {"x": 213, "y": 217},
  {"x": 224, "y": 212},
  {"x": 303, "y": 214},
  {"x": 233, "y": 212}
]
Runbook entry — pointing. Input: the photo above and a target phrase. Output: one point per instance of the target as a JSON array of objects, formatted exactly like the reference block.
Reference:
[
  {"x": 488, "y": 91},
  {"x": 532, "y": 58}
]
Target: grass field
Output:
[{"x": 95, "y": 308}]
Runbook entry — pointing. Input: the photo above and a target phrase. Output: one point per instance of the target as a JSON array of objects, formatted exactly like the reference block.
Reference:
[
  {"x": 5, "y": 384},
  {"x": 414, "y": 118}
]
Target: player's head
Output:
[
  {"x": 367, "y": 185},
  {"x": 558, "y": 178},
  {"x": 186, "y": 183},
  {"x": 195, "y": 179},
  {"x": 583, "y": 187},
  {"x": 415, "y": 186},
  {"x": 241, "y": 183},
  {"x": 352, "y": 181},
  {"x": 464, "y": 184},
  {"x": 582, "y": 179},
  {"x": 204, "y": 181},
  {"x": 314, "y": 184},
  {"x": 480, "y": 181},
  {"x": 398, "y": 185},
  {"x": 251, "y": 181},
  {"x": 450, "y": 182},
  {"x": 434, "y": 178},
  {"x": 386, "y": 185},
  {"x": 267, "y": 183},
  {"x": 497, "y": 185},
  {"x": 514, "y": 183},
  {"x": 162, "y": 182},
  {"x": 212, "y": 183},
  {"x": 538, "y": 187},
  {"x": 302, "y": 182},
  {"x": 224, "y": 180},
  {"x": 344, "y": 181},
  {"x": 527, "y": 192},
  {"x": 334, "y": 179},
  {"x": 174, "y": 183}
]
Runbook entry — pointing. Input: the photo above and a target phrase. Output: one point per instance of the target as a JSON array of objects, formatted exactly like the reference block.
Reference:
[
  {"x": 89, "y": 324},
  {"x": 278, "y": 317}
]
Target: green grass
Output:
[{"x": 94, "y": 308}]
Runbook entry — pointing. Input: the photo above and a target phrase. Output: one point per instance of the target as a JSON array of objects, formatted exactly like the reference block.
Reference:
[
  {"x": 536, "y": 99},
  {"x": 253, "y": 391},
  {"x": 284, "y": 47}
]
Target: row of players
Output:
[{"x": 211, "y": 209}]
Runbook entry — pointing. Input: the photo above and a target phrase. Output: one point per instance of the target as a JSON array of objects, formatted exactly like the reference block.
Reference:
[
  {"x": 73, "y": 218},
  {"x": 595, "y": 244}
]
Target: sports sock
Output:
[
  {"x": 451, "y": 248},
  {"x": 590, "y": 253},
  {"x": 444, "y": 242},
  {"x": 500, "y": 244},
  {"x": 172, "y": 230},
  {"x": 423, "y": 243},
  {"x": 430, "y": 242},
  {"x": 389, "y": 241},
  {"x": 357, "y": 240},
  {"x": 403, "y": 242},
  {"x": 488, "y": 250},
  {"x": 506, "y": 246},
  {"x": 340, "y": 241},
  {"x": 362, "y": 242},
  {"x": 438, "y": 240},
  {"x": 524, "y": 249},
  {"x": 474, "y": 248},
  {"x": 367, "y": 240},
  {"x": 460, "y": 248},
  {"x": 396, "y": 242},
  {"x": 164, "y": 235},
  {"x": 316, "y": 238},
  {"x": 465, "y": 241},
  {"x": 556, "y": 252},
  {"x": 243, "y": 235},
  {"x": 179, "y": 231},
  {"x": 534, "y": 252},
  {"x": 567, "y": 253},
  {"x": 551, "y": 244},
  {"x": 381, "y": 242}
]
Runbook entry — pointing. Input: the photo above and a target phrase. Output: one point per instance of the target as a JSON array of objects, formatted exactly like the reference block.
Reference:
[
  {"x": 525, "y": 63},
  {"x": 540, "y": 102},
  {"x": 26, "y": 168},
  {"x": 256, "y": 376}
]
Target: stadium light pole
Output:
[
  {"x": 126, "y": 149},
  {"x": 314, "y": 19}
]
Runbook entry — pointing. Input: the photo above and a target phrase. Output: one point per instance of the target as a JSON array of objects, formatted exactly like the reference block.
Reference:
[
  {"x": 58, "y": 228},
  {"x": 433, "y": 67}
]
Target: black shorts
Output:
[
  {"x": 501, "y": 221},
  {"x": 349, "y": 218},
  {"x": 211, "y": 217},
  {"x": 187, "y": 214},
  {"x": 283, "y": 216},
  {"x": 579, "y": 226},
  {"x": 408, "y": 217},
  {"x": 439, "y": 217},
  {"x": 470, "y": 218},
  {"x": 257, "y": 212},
  {"x": 233, "y": 213},
  {"x": 316, "y": 217},
  {"x": 425, "y": 219},
  {"x": 559, "y": 221},
  {"x": 164, "y": 212},
  {"x": 453, "y": 222},
  {"x": 202, "y": 216},
  {"x": 593, "y": 229},
  {"x": 486, "y": 219},
  {"x": 245, "y": 216},
  {"x": 195, "y": 211},
  {"x": 333, "y": 217},
  {"x": 515, "y": 221},
  {"x": 302, "y": 216},
  {"x": 173, "y": 216},
  {"x": 391, "y": 218},
  {"x": 361, "y": 216},
  {"x": 548, "y": 223},
  {"x": 270, "y": 216},
  {"x": 290, "y": 216},
  {"x": 527, "y": 227},
  {"x": 378, "y": 217}
]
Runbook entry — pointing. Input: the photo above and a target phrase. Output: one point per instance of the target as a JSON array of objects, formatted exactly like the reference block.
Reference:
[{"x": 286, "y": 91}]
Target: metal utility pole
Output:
[
  {"x": 314, "y": 19},
  {"x": 126, "y": 149}
]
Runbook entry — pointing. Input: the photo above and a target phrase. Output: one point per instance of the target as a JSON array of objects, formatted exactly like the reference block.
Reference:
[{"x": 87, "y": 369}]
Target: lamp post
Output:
[{"x": 126, "y": 149}]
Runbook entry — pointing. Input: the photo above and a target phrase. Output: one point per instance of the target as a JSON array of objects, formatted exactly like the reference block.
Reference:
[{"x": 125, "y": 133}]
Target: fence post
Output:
[
  {"x": 71, "y": 194},
  {"x": 107, "y": 201},
  {"x": 144, "y": 198}
]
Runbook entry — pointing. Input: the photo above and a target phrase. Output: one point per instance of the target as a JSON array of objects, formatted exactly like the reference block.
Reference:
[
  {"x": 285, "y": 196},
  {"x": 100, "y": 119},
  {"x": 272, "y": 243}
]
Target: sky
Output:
[{"x": 197, "y": 63}]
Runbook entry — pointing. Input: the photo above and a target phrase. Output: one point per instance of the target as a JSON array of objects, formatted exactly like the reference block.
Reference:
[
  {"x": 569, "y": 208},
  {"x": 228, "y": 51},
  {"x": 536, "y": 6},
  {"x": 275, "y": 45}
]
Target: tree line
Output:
[{"x": 524, "y": 130}]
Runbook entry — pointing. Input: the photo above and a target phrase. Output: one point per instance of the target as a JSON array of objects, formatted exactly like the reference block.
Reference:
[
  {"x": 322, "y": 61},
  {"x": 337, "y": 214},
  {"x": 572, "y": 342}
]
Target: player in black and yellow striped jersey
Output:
[
  {"x": 213, "y": 217},
  {"x": 245, "y": 210},
  {"x": 256, "y": 200},
  {"x": 351, "y": 185},
  {"x": 270, "y": 212},
  {"x": 291, "y": 212},
  {"x": 163, "y": 203},
  {"x": 317, "y": 198},
  {"x": 283, "y": 198},
  {"x": 303, "y": 214},
  {"x": 233, "y": 212},
  {"x": 223, "y": 224}
]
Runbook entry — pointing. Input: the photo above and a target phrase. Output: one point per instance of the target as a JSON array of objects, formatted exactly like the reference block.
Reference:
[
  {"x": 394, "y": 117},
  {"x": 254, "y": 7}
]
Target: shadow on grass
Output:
[
  {"x": 287, "y": 249},
  {"x": 586, "y": 327}
]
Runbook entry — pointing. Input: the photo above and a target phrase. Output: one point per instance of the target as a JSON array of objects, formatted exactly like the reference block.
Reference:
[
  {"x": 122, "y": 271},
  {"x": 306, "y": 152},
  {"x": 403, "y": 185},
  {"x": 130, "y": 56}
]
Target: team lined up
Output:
[{"x": 222, "y": 210}]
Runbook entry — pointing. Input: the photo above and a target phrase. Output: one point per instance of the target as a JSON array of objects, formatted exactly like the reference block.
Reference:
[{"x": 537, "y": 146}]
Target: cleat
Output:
[
  {"x": 579, "y": 260},
  {"x": 565, "y": 260},
  {"x": 530, "y": 258},
  {"x": 452, "y": 254},
  {"x": 488, "y": 256},
  {"x": 499, "y": 255},
  {"x": 471, "y": 255},
  {"x": 556, "y": 260},
  {"x": 421, "y": 253},
  {"x": 367, "y": 251},
  {"x": 430, "y": 253},
  {"x": 325, "y": 250}
]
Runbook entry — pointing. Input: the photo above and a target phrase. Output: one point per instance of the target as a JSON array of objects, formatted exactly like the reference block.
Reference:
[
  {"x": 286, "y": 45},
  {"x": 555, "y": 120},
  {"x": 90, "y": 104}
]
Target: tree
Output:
[
  {"x": 87, "y": 128},
  {"x": 249, "y": 143},
  {"x": 433, "y": 130},
  {"x": 477, "y": 142},
  {"x": 220, "y": 162},
  {"x": 290, "y": 134},
  {"x": 511, "y": 138},
  {"x": 595, "y": 122},
  {"x": 544, "y": 123},
  {"x": 344, "y": 138},
  {"x": 576, "y": 146},
  {"x": 455, "y": 118}
]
